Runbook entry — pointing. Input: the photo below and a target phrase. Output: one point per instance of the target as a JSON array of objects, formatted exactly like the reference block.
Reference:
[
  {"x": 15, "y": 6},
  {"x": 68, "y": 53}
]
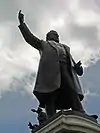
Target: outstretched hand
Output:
[
  {"x": 79, "y": 68},
  {"x": 78, "y": 64},
  {"x": 20, "y": 17}
]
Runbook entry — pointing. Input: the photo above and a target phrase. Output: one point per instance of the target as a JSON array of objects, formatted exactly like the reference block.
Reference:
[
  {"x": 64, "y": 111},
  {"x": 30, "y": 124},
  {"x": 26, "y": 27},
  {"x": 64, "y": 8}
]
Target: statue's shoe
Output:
[{"x": 94, "y": 116}]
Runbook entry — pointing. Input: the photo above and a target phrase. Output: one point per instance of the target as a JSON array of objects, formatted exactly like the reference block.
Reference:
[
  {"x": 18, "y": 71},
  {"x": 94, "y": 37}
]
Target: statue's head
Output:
[{"x": 52, "y": 36}]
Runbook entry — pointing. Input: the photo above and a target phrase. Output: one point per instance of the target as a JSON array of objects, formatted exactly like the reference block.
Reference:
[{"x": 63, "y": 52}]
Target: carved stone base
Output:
[{"x": 69, "y": 122}]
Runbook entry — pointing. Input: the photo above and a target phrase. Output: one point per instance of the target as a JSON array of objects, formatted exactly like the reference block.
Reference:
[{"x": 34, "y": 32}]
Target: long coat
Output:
[{"x": 49, "y": 76}]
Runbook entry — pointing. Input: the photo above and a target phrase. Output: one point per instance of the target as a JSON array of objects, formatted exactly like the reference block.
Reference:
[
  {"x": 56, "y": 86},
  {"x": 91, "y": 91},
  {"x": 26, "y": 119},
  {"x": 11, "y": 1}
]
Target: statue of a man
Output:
[{"x": 57, "y": 85}]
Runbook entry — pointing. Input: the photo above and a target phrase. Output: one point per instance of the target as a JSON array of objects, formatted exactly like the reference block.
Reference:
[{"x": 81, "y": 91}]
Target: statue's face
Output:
[{"x": 53, "y": 36}]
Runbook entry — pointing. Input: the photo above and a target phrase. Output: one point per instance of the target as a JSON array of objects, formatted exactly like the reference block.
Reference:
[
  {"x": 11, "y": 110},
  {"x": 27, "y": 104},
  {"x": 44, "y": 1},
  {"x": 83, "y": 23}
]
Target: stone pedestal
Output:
[{"x": 70, "y": 122}]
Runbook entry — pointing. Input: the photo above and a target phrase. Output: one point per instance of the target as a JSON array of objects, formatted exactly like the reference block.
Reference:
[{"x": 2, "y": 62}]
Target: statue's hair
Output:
[{"x": 49, "y": 37}]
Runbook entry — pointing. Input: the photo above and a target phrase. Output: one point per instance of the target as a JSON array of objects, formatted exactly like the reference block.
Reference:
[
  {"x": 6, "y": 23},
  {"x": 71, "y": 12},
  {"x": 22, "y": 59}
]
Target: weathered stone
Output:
[{"x": 70, "y": 122}]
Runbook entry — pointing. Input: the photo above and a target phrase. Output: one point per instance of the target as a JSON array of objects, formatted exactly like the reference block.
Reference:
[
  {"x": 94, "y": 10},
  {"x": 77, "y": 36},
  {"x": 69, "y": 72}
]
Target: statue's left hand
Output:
[
  {"x": 78, "y": 64},
  {"x": 78, "y": 68}
]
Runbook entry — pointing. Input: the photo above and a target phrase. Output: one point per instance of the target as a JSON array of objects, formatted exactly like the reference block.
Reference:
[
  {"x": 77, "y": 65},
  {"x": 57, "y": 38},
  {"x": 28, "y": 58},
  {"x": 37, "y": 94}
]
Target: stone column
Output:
[{"x": 70, "y": 122}]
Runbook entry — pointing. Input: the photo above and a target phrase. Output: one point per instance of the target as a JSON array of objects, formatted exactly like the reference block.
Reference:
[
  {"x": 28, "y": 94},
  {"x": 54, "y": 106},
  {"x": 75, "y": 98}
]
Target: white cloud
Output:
[
  {"x": 17, "y": 59},
  {"x": 57, "y": 23},
  {"x": 88, "y": 93}
]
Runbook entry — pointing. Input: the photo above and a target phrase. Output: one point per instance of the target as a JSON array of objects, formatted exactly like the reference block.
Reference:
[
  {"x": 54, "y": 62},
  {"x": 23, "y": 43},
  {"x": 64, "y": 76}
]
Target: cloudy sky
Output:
[{"x": 77, "y": 22}]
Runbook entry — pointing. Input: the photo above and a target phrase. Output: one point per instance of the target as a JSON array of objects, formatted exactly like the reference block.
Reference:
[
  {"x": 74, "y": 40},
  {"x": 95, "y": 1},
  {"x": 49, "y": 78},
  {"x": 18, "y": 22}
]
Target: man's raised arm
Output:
[{"x": 28, "y": 36}]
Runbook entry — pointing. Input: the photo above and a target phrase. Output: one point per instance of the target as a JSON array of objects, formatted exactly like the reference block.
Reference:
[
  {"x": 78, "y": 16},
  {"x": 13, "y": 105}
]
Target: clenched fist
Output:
[{"x": 20, "y": 17}]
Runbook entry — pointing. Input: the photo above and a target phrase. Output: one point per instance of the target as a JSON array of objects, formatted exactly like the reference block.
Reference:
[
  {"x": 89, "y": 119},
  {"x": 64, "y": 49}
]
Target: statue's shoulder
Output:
[
  {"x": 45, "y": 43},
  {"x": 67, "y": 48}
]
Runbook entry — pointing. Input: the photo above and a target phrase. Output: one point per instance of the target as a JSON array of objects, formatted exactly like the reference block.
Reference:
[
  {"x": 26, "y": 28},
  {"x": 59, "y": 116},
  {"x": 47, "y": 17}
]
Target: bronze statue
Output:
[{"x": 57, "y": 85}]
